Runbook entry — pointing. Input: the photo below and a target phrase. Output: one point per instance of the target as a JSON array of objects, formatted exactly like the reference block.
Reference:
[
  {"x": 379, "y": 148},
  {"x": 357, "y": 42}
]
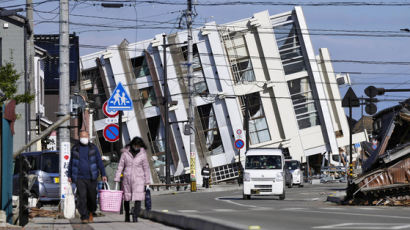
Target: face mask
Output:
[{"x": 84, "y": 140}]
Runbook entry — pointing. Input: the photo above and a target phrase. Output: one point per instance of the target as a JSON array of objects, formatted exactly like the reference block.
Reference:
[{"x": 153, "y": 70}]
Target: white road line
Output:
[
  {"x": 349, "y": 213},
  {"x": 223, "y": 210},
  {"x": 365, "y": 226},
  {"x": 332, "y": 208},
  {"x": 232, "y": 202},
  {"x": 292, "y": 209},
  {"x": 187, "y": 211}
]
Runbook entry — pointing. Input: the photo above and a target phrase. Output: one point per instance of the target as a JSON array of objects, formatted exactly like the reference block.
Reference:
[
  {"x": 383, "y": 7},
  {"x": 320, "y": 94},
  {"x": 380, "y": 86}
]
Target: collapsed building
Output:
[
  {"x": 386, "y": 159},
  {"x": 267, "y": 61}
]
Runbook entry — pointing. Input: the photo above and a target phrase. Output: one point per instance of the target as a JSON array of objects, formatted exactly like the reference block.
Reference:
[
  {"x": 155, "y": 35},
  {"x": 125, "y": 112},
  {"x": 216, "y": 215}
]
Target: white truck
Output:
[{"x": 264, "y": 173}]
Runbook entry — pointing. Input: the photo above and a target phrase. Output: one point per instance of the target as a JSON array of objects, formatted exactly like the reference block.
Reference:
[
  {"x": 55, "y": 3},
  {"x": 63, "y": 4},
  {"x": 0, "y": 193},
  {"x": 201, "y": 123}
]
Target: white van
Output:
[
  {"x": 297, "y": 174},
  {"x": 263, "y": 173}
]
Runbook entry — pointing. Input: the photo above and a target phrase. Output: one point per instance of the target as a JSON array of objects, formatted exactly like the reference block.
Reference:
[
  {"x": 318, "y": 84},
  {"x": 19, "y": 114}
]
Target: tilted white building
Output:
[{"x": 266, "y": 60}]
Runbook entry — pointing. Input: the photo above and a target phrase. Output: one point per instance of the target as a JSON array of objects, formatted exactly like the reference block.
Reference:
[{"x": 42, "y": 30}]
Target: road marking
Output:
[
  {"x": 223, "y": 210},
  {"x": 254, "y": 227},
  {"x": 261, "y": 209},
  {"x": 293, "y": 209},
  {"x": 369, "y": 208},
  {"x": 365, "y": 226},
  {"x": 187, "y": 211},
  {"x": 346, "y": 213},
  {"x": 232, "y": 202},
  {"x": 332, "y": 208}
]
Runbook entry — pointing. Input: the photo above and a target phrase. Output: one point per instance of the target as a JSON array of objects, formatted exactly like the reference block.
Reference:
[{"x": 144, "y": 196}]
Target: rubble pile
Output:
[{"x": 37, "y": 212}]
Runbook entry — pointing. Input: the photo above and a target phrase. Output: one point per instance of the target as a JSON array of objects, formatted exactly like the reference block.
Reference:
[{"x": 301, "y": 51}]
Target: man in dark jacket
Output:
[
  {"x": 83, "y": 170},
  {"x": 206, "y": 171}
]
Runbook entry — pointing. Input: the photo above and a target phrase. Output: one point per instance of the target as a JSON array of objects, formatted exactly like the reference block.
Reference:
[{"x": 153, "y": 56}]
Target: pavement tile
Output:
[{"x": 107, "y": 221}]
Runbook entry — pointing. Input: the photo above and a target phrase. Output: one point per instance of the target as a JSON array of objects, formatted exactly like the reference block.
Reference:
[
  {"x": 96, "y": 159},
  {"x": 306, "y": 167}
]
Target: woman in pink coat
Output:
[{"x": 136, "y": 175}]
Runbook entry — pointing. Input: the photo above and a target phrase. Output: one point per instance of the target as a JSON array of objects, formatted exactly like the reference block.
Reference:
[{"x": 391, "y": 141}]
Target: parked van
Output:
[
  {"x": 297, "y": 174},
  {"x": 45, "y": 165},
  {"x": 264, "y": 173}
]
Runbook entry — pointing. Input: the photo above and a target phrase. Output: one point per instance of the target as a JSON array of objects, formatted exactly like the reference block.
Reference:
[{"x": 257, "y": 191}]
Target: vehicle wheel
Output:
[
  {"x": 246, "y": 197},
  {"x": 39, "y": 204},
  {"x": 290, "y": 185},
  {"x": 282, "y": 197}
]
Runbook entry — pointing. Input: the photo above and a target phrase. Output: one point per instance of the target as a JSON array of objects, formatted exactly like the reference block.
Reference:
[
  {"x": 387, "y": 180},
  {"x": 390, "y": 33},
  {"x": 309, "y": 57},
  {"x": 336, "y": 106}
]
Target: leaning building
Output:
[{"x": 264, "y": 66}]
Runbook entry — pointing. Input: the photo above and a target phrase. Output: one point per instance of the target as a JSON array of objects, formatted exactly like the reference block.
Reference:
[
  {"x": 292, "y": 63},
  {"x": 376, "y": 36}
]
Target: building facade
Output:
[
  {"x": 14, "y": 31},
  {"x": 263, "y": 67}
]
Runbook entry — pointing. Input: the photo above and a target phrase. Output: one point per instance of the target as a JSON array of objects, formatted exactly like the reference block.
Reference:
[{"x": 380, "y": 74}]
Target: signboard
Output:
[
  {"x": 192, "y": 166},
  {"x": 64, "y": 161},
  {"x": 119, "y": 100},
  {"x": 350, "y": 99},
  {"x": 111, "y": 133},
  {"x": 239, "y": 144},
  {"x": 109, "y": 113}
]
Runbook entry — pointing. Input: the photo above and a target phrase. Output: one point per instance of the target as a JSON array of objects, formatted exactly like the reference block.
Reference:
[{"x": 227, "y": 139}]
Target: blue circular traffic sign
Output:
[
  {"x": 239, "y": 144},
  {"x": 111, "y": 133}
]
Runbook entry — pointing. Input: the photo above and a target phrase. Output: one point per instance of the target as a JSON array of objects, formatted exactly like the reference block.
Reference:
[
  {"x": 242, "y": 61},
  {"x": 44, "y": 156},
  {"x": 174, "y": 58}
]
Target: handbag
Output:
[
  {"x": 69, "y": 203},
  {"x": 147, "y": 199}
]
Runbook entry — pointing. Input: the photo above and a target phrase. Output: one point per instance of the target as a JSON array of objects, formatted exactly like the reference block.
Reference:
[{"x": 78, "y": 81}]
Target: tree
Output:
[{"x": 8, "y": 84}]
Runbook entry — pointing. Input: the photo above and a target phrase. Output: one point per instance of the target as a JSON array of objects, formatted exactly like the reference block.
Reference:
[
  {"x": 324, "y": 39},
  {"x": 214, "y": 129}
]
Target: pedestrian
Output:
[
  {"x": 136, "y": 176},
  {"x": 205, "y": 175},
  {"x": 84, "y": 168}
]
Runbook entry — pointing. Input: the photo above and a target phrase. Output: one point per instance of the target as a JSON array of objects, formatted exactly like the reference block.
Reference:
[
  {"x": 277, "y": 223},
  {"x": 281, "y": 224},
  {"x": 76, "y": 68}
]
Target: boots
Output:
[
  {"x": 136, "y": 211},
  {"x": 127, "y": 211}
]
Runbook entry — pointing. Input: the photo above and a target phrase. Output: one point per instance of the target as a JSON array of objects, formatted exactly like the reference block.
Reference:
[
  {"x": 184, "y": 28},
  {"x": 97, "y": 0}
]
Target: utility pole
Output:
[
  {"x": 64, "y": 97},
  {"x": 29, "y": 84},
  {"x": 166, "y": 116},
  {"x": 191, "y": 118}
]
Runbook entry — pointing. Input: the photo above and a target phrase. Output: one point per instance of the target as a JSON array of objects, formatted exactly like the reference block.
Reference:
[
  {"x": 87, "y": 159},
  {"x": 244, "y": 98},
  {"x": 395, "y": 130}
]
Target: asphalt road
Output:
[{"x": 303, "y": 208}]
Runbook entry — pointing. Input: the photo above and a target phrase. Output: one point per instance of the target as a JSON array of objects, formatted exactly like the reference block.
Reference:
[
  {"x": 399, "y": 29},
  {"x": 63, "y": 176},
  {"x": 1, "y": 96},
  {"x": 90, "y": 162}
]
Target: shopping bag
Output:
[
  {"x": 110, "y": 200},
  {"x": 69, "y": 203},
  {"x": 147, "y": 199}
]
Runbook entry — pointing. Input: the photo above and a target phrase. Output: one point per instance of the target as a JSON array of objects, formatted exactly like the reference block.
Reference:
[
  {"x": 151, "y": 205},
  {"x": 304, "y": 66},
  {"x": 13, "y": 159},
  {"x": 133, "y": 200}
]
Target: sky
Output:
[{"x": 365, "y": 33}]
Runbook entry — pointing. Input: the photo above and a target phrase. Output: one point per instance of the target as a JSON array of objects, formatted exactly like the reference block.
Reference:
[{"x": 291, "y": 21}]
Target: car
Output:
[
  {"x": 288, "y": 177},
  {"x": 294, "y": 169},
  {"x": 264, "y": 173},
  {"x": 45, "y": 165}
]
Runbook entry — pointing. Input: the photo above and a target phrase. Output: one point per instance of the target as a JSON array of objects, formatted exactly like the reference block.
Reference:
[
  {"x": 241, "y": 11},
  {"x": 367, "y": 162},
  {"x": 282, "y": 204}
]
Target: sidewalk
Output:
[
  {"x": 107, "y": 221},
  {"x": 213, "y": 188}
]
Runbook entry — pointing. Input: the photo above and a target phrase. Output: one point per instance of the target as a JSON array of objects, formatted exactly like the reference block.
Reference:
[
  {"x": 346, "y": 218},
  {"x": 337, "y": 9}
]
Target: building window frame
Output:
[{"x": 258, "y": 125}]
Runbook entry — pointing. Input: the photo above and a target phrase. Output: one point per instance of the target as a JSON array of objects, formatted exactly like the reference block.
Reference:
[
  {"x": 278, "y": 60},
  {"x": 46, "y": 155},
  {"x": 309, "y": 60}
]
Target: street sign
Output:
[
  {"x": 111, "y": 133},
  {"x": 119, "y": 100},
  {"x": 239, "y": 131},
  {"x": 109, "y": 113},
  {"x": 239, "y": 144},
  {"x": 350, "y": 96}
]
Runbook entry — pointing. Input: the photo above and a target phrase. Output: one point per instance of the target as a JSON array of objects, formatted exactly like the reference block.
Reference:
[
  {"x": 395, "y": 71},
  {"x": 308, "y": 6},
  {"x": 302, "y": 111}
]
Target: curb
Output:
[{"x": 185, "y": 222}]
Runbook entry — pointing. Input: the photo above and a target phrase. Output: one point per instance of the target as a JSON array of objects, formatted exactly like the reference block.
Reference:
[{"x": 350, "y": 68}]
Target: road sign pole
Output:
[
  {"x": 350, "y": 142},
  {"x": 120, "y": 132}
]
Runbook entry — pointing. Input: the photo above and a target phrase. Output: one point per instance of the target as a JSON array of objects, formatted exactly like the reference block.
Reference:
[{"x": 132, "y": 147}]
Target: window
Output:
[
  {"x": 96, "y": 91},
  {"x": 147, "y": 96},
  {"x": 239, "y": 59},
  {"x": 50, "y": 163},
  {"x": 289, "y": 48},
  {"x": 199, "y": 84},
  {"x": 210, "y": 129},
  {"x": 303, "y": 103},
  {"x": 258, "y": 127},
  {"x": 140, "y": 67},
  {"x": 263, "y": 162},
  {"x": 292, "y": 165}
]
